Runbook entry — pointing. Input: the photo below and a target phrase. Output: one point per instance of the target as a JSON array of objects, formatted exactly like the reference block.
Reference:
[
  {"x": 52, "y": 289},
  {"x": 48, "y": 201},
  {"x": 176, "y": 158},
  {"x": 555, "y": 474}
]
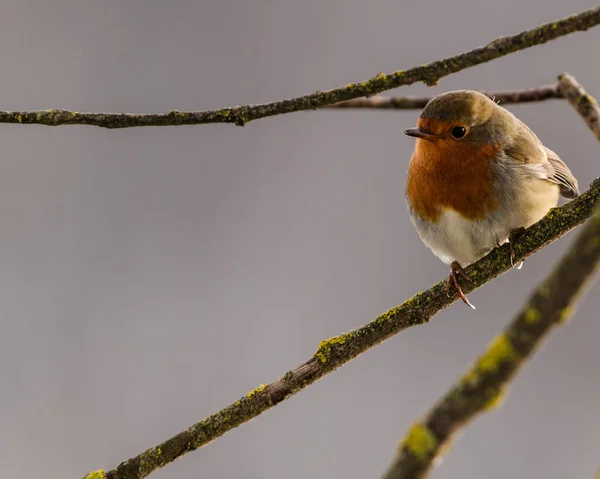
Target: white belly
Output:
[{"x": 454, "y": 238}]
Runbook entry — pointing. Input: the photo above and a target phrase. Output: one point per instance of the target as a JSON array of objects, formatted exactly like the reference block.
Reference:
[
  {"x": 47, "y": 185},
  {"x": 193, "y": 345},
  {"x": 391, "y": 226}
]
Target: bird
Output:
[{"x": 477, "y": 177}]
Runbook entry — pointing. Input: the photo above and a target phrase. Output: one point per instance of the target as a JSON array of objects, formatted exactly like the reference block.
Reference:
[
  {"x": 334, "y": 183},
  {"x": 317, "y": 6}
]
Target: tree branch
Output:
[
  {"x": 410, "y": 103},
  {"x": 585, "y": 104},
  {"x": 335, "y": 352},
  {"x": 429, "y": 74},
  {"x": 483, "y": 386}
]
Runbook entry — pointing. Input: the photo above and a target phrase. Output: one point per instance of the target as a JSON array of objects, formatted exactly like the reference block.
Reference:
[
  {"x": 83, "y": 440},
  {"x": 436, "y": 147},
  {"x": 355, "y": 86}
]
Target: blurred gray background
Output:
[{"x": 152, "y": 276}]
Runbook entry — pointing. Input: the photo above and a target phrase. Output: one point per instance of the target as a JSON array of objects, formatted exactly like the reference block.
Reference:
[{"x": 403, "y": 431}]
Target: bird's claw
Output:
[
  {"x": 511, "y": 239},
  {"x": 455, "y": 271}
]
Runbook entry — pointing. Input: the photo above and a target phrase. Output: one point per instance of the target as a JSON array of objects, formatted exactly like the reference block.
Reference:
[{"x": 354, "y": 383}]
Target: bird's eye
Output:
[{"x": 458, "y": 132}]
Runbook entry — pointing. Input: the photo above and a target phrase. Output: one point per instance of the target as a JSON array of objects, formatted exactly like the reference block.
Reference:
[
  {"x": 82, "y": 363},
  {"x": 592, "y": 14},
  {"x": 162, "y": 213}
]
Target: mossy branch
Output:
[
  {"x": 483, "y": 386},
  {"x": 429, "y": 74},
  {"x": 334, "y": 352}
]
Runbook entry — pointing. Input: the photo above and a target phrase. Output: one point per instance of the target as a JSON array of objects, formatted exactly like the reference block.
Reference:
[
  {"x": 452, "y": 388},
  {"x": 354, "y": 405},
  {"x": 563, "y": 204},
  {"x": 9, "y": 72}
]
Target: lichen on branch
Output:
[{"x": 429, "y": 74}]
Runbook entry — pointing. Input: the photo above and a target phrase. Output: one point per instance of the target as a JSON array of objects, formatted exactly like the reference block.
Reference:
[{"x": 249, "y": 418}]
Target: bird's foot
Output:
[
  {"x": 511, "y": 239},
  {"x": 455, "y": 271}
]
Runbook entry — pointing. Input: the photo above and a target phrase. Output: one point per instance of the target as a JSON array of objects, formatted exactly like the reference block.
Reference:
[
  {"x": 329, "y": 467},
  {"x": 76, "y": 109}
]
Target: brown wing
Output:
[
  {"x": 530, "y": 151},
  {"x": 560, "y": 174}
]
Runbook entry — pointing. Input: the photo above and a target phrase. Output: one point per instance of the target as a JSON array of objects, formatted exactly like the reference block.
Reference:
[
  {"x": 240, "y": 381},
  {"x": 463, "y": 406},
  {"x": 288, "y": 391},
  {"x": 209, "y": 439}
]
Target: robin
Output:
[{"x": 478, "y": 176}]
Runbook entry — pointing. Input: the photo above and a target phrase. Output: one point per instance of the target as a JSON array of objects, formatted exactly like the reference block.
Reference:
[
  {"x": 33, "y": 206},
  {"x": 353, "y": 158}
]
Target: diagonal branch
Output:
[
  {"x": 585, "y": 104},
  {"x": 409, "y": 103},
  {"x": 483, "y": 386},
  {"x": 429, "y": 74},
  {"x": 335, "y": 352}
]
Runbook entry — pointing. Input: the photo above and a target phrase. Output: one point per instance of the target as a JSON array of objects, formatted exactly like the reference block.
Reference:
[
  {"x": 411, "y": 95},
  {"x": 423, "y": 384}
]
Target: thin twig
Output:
[
  {"x": 483, "y": 386},
  {"x": 429, "y": 74},
  {"x": 585, "y": 104},
  {"x": 410, "y": 103},
  {"x": 335, "y": 352}
]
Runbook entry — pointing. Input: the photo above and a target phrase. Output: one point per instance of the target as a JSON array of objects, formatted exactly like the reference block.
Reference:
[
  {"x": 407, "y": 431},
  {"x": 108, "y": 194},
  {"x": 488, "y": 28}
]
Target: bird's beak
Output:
[{"x": 420, "y": 133}]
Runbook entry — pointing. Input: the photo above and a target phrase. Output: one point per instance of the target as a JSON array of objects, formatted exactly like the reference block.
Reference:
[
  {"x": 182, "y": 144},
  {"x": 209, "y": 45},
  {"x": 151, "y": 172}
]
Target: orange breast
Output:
[{"x": 447, "y": 174}]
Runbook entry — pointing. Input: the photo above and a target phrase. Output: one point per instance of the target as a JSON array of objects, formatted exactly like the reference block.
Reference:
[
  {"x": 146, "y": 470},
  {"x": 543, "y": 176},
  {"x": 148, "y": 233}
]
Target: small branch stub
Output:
[{"x": 584, "y": 104}]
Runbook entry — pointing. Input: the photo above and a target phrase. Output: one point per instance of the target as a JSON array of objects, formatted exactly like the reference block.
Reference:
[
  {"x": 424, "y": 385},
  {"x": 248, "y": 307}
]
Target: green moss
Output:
[
  {"x": 387, "y": 316},
  {"x": 151, "y": 461},
  {"x": 532, "y": 316},
  {"x": 565, "y": 314},
  {"x": 417, "y": 306},
  {"x": 420, "y": 441},
  {"x": 544, "y": 292},
  {"x": 99, "y": 474},
  {"x": 256, "y": 391},
  {"x": 496, "y": 400},
  {"x": 499, "y": 351},
  {"x": 366, "y": 88},
  {"x": 241, "y": 118},
  {"x": 326, "y": 346}
]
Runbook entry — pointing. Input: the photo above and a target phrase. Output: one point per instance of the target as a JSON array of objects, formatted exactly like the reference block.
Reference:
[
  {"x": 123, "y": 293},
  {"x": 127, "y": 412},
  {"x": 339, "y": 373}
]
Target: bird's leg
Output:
[
  {"x": 455, "y": 271},
  {"x": 511, "y": 239}
]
